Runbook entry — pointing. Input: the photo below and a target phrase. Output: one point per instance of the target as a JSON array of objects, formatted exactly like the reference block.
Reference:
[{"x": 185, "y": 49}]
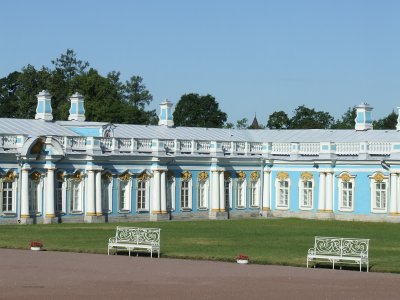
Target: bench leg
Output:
[{"x": 333, "y": 264}]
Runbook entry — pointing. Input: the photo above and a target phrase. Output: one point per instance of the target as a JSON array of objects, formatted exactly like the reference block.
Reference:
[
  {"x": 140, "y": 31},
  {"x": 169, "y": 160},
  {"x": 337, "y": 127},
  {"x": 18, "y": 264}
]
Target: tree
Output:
[
  {"x": 136, "y": 93},
  {"x": 306, "y": 118},
  {"x": 388, "y": 122},
  {"x": 348, "y": 119},
  {"x": 278, "y": 120},
  {"x": 69, "y": 65},
  {"x": 193, "y": 110},
  {"x": 242, "y": 124}
]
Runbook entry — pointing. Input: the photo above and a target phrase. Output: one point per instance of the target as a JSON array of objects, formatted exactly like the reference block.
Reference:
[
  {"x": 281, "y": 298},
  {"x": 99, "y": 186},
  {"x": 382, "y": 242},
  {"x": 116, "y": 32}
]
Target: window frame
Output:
[
  {"x": 347, "y": 178},
  {"x": 9, "y": 178},
  {"x": 379, "y": 178},
  {"x": 125, "y": 205},
  {"x": 241, "y": 186},
  {"x": 185, "y": 178},
  {"x": 281, "y": 178},
  {"x": 107, "y": 183},
  {"x": 145, "y": 180},
  {"x": 303, "y": 189}
]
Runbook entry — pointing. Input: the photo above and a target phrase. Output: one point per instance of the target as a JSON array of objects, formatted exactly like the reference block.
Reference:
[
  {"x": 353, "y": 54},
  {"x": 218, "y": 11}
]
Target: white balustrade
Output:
[
  {"x": 125, "y": 145},
  {"x": 78, "y": 143},
  {"x": 256, "y": 147},
  {"x": 377, "y": 148},
  {"x": 186, "y": 145},
  {"x": 9, "y": 141},
  {"x": 309, "y": 148},
  {"x": 240, "y": 147},
  {"x": 203, "y": 146},
  {"x": 281, "y": 148},
  {"x": 227, "y": 147},
  {"x": 169, "y": 145},
  {"x": 144, "y": 144},
  {"x": 347, "y": 148},
  {"x": 106, "y": 143}
]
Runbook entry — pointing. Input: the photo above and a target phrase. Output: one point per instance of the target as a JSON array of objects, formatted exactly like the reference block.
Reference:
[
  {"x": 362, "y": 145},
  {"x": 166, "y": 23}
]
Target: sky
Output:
[{"x": 254, "y": 57}]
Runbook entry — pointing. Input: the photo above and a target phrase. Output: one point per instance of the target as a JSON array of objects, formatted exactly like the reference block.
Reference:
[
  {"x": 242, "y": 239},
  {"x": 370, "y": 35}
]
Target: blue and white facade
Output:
[{"x": 78, "y": 171}]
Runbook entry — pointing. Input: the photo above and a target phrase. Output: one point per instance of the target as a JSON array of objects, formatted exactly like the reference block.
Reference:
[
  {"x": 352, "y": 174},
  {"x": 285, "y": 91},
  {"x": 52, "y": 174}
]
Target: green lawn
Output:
[{"x": 266, "y": 241}]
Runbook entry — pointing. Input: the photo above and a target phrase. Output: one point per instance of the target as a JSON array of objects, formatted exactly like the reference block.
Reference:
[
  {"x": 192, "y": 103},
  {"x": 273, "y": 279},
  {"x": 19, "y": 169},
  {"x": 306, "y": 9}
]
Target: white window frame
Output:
[
  {"x": 189, "y": 188},
  {"x": 63, "y": 194},
  {"x": 125, "y": 206},
  {"x": 13, "y": 195},
  {"x": 346, "y": 207},
  {"x": 306, "y": 190},
  {"x": 146, "y": 190},
  {"x": 106, "y": 193},
  {"x": 76, "y": 205},
  {"x": 228, "y": 188},
  {"x": 279, "y": 204},
  {"x": 254, "y": 193},
  {"x": 202, "y": 194},
  {"x": 240, "y": 202},
  {"x": 373, "y": 184},
  {"x": 35, "y": 188},
  {"x": 170, "y": 190}
]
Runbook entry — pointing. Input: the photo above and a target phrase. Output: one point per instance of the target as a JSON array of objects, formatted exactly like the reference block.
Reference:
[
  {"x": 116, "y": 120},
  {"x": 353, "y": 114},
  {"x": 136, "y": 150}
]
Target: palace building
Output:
[{"x": 77, "y": 171}]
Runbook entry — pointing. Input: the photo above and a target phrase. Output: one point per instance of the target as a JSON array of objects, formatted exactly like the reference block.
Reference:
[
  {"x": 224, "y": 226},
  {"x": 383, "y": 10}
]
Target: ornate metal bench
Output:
[
  {"x": 135, "y": 239},
  {"x": 339, "y": 251}
]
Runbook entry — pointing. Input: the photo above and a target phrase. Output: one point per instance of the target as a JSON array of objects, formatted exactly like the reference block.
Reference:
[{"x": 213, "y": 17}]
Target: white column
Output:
[
  {"x": 214, "y": 191},
  {"x": 50, "y": 212},
  {"x": 266, "y": 191},
  {"x": 163, "y": 192},
  {"x": 329, "y": 192},
  {"x": 156, "y": 192},
  {"x": 90, "y": 201},
  {"x": 221, "y": 192},
  {"x": 322, "y": 192},
  {"x": 99, "y": 207},
  {"x": 393, "y": 193},
  {"x": 25, "y": 192}
]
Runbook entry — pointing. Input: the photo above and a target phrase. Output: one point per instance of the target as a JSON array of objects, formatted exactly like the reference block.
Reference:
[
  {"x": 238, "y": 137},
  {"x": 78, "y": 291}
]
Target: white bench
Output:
[
  {"x": 135, "y": 239},
  {"x": 339, "y": 251}
]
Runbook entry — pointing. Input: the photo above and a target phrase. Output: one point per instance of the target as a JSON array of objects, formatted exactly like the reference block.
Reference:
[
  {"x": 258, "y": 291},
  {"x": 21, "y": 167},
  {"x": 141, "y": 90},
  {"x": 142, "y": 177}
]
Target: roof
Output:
[{"x": 33, "y": 127}]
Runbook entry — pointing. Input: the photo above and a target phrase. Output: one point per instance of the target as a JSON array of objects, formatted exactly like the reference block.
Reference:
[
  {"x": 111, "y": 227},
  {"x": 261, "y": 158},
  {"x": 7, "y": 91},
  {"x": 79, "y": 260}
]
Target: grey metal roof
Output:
[
  {"x": 40, "y": 127},
  {"x": 33, "y": 127}
]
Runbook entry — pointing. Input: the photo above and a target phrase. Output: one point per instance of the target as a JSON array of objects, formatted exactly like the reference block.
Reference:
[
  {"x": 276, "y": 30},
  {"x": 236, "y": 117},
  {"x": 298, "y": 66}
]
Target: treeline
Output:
[{"x": 108, "y": 99}]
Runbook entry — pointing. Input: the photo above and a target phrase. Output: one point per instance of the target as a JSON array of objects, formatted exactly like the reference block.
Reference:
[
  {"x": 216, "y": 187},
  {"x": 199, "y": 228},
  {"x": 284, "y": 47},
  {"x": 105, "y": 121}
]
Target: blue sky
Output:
[{"x": 252, "y": 56}]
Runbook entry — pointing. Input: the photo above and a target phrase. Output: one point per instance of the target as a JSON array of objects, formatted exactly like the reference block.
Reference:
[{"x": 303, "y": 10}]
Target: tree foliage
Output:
[
  {"x": 348, "y": 119},
  {"x": 107, "y": 99},
  {"x": 388, "y": 122},
  {"x": 278, "y": 120},
  {"x": 193, "y": 110},
  {"x": 308, "y": 118}
]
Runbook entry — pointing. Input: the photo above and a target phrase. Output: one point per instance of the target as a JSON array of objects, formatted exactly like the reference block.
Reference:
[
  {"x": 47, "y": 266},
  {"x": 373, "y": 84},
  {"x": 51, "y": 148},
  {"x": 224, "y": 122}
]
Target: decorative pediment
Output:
[
  {"x": 186, "y": 175},
  {"x": 125, "y": 177},
  {"x": 254, "y": 175},
  {"x": 379, "y": 177},
  {"x": 241, "y": 175},
  {"x": 202, "y": 176},
  {"x": 345, "y": 177},
  {"x": 143, "y": 176},
  {"x": 77, "y": 176},
  {"x": 282, "y": 176},
  {"x": 306, "y": 176},
  {"x": 9, "y": 177}
]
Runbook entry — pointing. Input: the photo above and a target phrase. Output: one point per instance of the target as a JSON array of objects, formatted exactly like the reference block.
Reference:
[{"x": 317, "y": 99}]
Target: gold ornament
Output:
[
  {"x": 144, "y": 176},
  {"x": 227, "y": 175},
  {"x": 379, "y": 177},
  {"x": 9, "y": 177},
  {"x": 241, "y": 175},
  {"x": 125, "y": 177},
  {"x": 254, "y": 175},
  {"x": 186, "y": 175},
  {"x": 282, "y": 176},
  {"x": 306, "y": 176},
  {"x": 345, "y": 177},
  {"x": 106, "y": 176},
  {"x": 60, "y": 176},
  {"x": 35, "y": 176},
  {"x": 203, "y": 176},
  {"x": 77, "y": 176}
]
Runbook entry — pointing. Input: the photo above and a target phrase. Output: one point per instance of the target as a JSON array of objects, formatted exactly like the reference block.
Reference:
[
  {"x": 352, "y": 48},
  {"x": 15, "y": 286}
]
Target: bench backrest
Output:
[
  {"x": 138, "y": 235},
  {"x": 341, "y": 246}
]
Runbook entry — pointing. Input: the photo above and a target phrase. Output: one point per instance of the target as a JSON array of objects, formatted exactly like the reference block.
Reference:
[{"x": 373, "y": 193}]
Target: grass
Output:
[{"x": 265, "y": 241}]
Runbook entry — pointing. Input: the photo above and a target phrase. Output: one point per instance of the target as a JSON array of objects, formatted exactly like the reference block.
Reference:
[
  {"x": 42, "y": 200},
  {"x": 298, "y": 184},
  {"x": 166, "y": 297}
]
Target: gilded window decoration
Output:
[
  {"x": 202, "y": 176},
  {"x": 254, "y": 176},
  {"x": 345, "y": 177},
  {"x": 227, "y": 175},
  {"x": 241, "y": 175},
  {"x": 106, "y": 176},
  {"x": 77, "y": 176},
  {"x": 379, "y": 177},
  {"x": 306, "y": 176},
  {"x": 143, "y": 177},
  {"x": 282, "y": 176},
  {"x": 186, "y": 175},
  {"x": 125, "y": 177},
  {"x": 35, "y": 176},
  {"x": 60, "y": 176},
  {"x": 9, "y": 177},
  {"x": 170, "y": 175}
]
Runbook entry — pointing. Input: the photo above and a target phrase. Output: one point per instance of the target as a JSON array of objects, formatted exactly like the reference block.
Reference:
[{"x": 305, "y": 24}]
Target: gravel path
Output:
[{"x": 31, "y": 275}]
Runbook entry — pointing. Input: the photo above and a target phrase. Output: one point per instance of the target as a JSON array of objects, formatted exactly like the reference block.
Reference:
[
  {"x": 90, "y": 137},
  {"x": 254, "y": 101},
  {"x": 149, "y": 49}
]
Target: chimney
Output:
[
  {"x": 363, "y": 117},
  {"x": 77, "y": 110},
  {"x": 165, "y": 117},
  {"x": 43, "y": 109}
]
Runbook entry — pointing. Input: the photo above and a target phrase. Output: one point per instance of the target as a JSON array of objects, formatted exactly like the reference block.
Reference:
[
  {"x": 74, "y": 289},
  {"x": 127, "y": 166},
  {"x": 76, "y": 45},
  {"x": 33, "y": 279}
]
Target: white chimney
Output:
[
  {"x": 363, "y": 117},
  {"x": 77, "y": 110},
  {"x": 165, "y": 117},
  {"x": 43, "y": 109}
]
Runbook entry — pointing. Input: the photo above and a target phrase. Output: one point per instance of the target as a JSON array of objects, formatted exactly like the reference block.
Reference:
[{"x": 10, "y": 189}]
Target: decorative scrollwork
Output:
[
  {"x": 241, "y": 175},
  {"x": 254, "y": 175},
  {"x": 186, "y": 175},
  {"x": 202, "y": 176},
  {"x": 282, "y": 176},
  {"x": 106, "y": 176},
  {"x": 379, "y": 177},
  {"x": 227, "y": 176},
  {"x": 60, "y": 176},
  {"x": 35, "y": 176},
  {"x": 306, "y": 176}
]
